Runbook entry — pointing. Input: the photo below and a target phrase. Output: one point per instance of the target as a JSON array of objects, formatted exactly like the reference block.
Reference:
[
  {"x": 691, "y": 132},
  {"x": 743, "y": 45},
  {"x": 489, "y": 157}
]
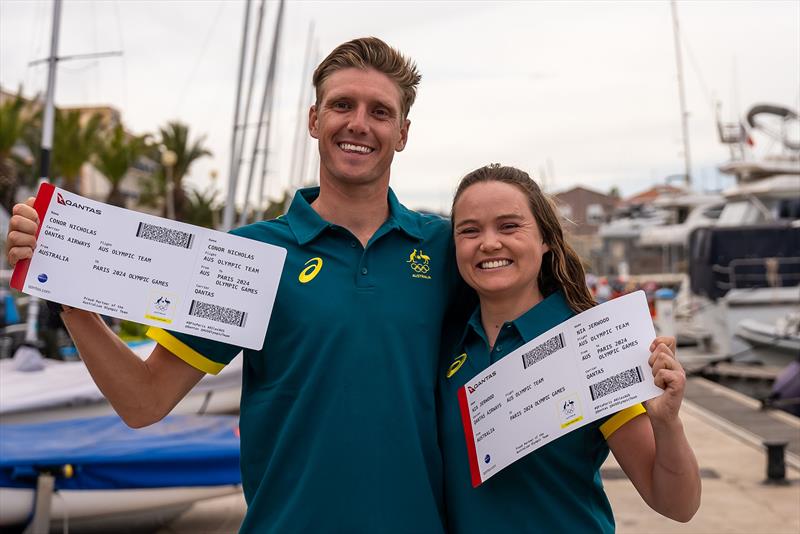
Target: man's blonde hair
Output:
[{"x": 371, "y": 52}]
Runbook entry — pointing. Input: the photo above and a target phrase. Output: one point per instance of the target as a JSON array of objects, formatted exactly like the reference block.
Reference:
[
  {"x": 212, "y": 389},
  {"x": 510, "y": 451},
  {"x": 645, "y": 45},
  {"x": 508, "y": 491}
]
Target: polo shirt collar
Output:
[
  {"x": 404, "y": 219},
  {"x": 553, "y": 310},
  {"x": 306, "y": 224}
]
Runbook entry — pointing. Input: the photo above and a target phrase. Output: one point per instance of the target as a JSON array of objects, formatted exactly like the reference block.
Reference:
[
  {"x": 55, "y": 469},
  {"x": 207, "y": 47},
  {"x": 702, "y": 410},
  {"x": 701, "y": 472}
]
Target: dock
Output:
[{"x": 726, "y": 430}]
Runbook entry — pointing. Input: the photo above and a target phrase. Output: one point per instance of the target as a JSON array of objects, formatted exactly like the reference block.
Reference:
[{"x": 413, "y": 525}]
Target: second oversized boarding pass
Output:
[
  {"x": 588, "y": 367},
  {"x": 150, "y": 270}
]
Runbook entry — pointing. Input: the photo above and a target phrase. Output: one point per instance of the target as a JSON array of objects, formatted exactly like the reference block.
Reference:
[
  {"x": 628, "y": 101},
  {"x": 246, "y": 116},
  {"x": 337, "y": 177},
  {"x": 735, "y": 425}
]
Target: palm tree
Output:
[
  {"x": 202, "y": 207},
  {"x": 115, "y": 154},
  {"x": 73, "y": 144},
  {"x": 12, "y": 126},
  {"x": 175, "y": 137}
]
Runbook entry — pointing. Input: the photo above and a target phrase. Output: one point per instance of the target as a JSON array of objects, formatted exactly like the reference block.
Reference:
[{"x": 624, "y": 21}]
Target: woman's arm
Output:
[{"x": 653, "y": 450}]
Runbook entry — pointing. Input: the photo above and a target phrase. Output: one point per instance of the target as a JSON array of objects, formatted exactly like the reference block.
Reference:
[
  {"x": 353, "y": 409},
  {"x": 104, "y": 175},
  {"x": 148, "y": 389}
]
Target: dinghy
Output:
[
  {"x": 90, "y": 471},
  {"x": 54, "y": 390}
]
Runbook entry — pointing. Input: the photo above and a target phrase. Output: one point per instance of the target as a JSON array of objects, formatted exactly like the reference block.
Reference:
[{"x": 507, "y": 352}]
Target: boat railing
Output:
[{"x": 757, "y": 272}]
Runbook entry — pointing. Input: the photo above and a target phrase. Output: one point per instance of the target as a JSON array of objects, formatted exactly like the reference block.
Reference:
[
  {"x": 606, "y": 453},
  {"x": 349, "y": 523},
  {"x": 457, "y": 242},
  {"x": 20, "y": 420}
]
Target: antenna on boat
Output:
[{"x": 687, "y": 160}]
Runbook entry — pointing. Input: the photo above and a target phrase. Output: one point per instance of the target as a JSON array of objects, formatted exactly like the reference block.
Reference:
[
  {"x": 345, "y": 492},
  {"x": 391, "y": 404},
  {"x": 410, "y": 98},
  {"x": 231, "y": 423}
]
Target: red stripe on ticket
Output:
[
  {"x": 43, "y": 198},
  {"x": 474, "y": 470}
]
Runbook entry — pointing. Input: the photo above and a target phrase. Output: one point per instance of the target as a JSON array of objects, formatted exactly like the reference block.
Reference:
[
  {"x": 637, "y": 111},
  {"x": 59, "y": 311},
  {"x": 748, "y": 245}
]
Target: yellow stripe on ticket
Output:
[
  {"x": 159, "y": 319},
  {"x": 577, "y": 419}
]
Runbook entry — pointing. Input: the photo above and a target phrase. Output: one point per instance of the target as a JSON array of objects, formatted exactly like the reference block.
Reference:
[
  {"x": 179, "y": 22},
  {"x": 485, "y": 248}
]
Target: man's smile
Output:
[{"x": 359, "y": 149}]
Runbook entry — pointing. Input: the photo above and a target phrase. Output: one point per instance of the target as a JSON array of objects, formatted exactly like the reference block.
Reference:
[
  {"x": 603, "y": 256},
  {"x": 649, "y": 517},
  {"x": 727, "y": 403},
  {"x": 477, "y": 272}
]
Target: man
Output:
[{"x": 338, "y": 419}]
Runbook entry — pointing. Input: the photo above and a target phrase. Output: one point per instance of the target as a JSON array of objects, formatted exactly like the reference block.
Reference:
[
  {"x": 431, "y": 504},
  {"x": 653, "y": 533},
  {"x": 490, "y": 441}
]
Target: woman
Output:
[{"x": 510, "y": 248}]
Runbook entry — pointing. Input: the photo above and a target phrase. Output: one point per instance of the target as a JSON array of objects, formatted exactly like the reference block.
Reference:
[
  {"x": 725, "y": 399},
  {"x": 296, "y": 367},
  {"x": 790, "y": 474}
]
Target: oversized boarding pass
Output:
[
  {"x": 591, "y": 366},
  {"x": 150, "y": 270}
]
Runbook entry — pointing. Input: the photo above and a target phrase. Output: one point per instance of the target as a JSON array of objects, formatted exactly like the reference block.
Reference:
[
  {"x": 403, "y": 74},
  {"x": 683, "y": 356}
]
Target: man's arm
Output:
[{"x": 141, "y": 392}]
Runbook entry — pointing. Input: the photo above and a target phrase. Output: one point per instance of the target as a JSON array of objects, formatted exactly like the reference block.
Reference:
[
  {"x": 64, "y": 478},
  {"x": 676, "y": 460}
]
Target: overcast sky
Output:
[{"x": 583, "y": 92}]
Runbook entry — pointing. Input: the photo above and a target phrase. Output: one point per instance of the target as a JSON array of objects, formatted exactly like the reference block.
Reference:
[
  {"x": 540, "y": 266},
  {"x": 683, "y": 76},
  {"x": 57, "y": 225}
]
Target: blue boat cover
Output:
[{"x": 104, "y": 453}]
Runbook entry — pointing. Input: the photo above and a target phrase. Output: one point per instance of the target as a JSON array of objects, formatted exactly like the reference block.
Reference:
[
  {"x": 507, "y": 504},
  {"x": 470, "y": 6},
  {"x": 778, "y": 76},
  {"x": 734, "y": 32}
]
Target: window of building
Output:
[{"x": 595, "y": 214}]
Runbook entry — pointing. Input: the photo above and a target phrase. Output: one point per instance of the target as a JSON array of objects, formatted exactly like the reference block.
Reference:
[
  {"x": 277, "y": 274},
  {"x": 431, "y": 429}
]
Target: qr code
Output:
[
  {"x": 615, "y": 383},
  {"x": 165, "y": 235},
  {"x": 220, "y": 314},
  {"x": 540, "y": 352}
]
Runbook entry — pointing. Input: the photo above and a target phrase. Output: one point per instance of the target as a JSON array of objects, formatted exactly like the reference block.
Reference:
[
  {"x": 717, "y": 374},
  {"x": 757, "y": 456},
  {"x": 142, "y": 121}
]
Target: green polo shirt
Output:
[
  {"x": 556, "y": 488},
  {"x": 338, "y": 412}
]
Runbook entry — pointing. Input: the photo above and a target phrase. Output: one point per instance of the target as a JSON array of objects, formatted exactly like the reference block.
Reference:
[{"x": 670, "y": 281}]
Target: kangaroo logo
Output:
[
  {"x": 419, "y": 263},
  {"x": 163, "y": 303}
]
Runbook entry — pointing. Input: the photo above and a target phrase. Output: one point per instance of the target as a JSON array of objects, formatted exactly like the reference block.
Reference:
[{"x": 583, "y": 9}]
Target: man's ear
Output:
[
  {"x": 401, "y": 143},
  {"x": 312, "y": 122}
]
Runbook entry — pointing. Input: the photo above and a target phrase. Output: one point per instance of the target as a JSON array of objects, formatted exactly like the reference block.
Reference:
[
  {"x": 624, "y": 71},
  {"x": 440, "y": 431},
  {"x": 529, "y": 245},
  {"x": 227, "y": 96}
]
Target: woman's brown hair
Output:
[{"x": 561, "y": 266}]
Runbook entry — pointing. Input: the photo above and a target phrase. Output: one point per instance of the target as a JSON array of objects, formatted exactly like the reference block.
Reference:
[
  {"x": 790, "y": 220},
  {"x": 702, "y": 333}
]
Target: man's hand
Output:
[{"x": 21, "y": 239}]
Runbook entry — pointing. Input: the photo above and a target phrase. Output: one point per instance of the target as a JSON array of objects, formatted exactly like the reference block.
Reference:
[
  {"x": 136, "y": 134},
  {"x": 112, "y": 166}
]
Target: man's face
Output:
[{"x": 359, "y": 125}]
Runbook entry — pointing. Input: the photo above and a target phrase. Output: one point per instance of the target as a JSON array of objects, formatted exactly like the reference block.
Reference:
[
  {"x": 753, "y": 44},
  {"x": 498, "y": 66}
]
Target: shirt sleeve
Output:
[
  {"x": 613, "y": 423},
  {"x": 204, "y": 354}
]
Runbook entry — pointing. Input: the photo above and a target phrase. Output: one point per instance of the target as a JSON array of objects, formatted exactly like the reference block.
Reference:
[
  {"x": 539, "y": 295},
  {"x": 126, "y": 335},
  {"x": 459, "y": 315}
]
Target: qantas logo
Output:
[
  {"x": 60, "y": 199},
  {"x": 479, "y": 383}
]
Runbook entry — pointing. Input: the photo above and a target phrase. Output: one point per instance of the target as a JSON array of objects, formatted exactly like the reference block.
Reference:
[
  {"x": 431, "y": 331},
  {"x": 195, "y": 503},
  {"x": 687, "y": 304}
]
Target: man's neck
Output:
[{"x": 361, "y": 209}]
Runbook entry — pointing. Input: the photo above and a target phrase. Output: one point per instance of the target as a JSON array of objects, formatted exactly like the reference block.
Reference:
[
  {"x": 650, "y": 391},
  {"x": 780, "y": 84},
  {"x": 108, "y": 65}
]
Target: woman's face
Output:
[{"x": 499, "y": 247}]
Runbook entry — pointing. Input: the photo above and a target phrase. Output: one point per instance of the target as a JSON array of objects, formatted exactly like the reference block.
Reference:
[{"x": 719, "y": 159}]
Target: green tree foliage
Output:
[
  {"x": 74, "y": 141},
  {"x": 202, "y": 208},
  {"x": 12, "y": 127},
  {"x": 175, "y": 137},
  {"x": 116, "y": 153},
  {"x": 276, "y": 208}
]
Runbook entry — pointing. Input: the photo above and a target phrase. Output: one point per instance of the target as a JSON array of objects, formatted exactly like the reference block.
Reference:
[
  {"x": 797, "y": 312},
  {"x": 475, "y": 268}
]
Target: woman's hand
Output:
[{"x": 669, "y": 376}]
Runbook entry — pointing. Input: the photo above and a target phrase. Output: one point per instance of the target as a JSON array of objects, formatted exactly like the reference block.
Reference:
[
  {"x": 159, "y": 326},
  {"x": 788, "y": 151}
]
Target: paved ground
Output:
[{"x": 735, "y": 500}]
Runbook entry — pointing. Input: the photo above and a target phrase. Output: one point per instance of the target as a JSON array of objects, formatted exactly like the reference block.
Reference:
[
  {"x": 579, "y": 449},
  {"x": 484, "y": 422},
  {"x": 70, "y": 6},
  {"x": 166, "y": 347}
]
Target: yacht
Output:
[{"x": 746, "y": 268}]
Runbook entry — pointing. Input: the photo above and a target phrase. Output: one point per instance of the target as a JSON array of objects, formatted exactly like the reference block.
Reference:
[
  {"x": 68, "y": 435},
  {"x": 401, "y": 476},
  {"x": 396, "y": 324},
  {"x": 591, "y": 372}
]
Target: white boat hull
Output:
[
  {"x": 82, "y": 507},
  {"x": 65, "y": 390}
]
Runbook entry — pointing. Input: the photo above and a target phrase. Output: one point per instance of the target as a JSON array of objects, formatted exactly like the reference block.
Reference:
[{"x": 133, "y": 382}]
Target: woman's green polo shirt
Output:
[{"x": 556, "y": 488}]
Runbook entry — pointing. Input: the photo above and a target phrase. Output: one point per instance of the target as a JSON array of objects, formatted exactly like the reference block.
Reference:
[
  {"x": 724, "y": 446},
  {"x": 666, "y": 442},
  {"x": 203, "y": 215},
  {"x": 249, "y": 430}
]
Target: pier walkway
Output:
[{"x": 726, "y": 430}]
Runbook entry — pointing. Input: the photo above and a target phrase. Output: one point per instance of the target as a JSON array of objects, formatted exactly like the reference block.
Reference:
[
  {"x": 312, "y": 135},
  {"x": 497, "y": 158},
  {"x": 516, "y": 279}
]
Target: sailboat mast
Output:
[
  {"x": 49, "y": 99},
  {"x": 266, "y": 102},
  {"x": 300, "y": 134},
  {"x": 687, "y": 159},
  {"x": 227, "y": 218}
]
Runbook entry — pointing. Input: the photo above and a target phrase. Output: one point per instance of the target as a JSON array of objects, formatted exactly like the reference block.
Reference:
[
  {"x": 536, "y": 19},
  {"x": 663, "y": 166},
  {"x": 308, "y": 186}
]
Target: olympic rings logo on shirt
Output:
[
  {"x": 308, "y": 274},
  {"x": 420, "y": 268}
]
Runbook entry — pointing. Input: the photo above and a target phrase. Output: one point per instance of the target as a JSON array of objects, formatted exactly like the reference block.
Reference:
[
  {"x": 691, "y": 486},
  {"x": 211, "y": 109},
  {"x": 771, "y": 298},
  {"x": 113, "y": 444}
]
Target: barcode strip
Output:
[
  {"x": 217, "y": 313},
  {"x": 542, "y": 351},
  {"x": 168, "y": 236},
  {"x": 617, "y": 382}
]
